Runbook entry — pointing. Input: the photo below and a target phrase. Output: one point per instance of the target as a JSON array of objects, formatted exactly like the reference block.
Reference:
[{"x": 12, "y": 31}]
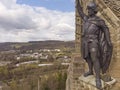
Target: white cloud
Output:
[{"x": 25, "y": 23}]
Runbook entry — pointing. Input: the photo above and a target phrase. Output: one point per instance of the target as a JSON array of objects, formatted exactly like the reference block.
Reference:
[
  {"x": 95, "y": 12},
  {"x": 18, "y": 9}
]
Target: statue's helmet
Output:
[{"x": 92, "y": 5}]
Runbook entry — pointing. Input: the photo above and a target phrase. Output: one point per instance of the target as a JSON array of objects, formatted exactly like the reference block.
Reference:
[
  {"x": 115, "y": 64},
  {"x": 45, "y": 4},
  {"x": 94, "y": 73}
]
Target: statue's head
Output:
[{"x": 92, "y": 8}]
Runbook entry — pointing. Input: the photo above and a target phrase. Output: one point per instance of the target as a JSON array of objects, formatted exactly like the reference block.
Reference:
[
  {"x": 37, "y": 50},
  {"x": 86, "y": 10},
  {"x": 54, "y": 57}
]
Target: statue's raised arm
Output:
[{"x": 80, "y": 10}]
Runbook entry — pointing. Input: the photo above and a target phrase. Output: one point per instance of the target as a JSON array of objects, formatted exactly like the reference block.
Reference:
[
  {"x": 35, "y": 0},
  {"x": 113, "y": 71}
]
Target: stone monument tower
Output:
[{"x": 109, "y": 10}]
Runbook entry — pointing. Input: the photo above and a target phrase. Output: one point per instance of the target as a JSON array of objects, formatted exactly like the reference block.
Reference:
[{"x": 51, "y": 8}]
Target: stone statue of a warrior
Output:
[{"x": 96, "y": 43}]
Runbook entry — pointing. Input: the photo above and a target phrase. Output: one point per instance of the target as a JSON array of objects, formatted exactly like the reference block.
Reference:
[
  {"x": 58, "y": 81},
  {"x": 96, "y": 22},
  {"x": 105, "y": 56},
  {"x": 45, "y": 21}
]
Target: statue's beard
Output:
[{"x": 91, "y": 14}]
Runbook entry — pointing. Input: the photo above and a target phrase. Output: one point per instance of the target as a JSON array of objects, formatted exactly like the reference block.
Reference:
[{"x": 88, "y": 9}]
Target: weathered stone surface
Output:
[
  {"x": 75, "y": 70},
  {"x": 91, "y": 84}
]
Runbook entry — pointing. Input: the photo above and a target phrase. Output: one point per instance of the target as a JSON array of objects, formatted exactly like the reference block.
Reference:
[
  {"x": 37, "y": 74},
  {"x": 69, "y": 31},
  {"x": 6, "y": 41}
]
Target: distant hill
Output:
[{"x": 31, "y": 45}]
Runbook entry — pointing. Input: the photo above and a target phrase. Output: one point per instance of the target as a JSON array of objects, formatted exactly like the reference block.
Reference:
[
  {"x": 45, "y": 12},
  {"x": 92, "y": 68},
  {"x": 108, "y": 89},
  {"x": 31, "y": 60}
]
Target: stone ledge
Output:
[{"x": 88, "y": 83}]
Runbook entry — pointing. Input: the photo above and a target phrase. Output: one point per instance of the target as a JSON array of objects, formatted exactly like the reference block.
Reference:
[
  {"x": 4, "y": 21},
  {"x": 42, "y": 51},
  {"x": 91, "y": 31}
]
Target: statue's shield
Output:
[{"x": 105, "y": 54}]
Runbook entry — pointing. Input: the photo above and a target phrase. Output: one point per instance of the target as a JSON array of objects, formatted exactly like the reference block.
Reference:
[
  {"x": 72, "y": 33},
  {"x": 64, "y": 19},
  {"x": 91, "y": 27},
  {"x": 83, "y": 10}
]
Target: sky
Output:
[{"x": 36, "y": 20}]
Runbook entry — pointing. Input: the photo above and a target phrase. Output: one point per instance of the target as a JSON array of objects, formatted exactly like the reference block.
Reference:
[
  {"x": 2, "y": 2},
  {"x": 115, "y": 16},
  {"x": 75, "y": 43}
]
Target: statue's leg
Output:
[
  {"x": 96, "y": 64},
  {"x": 90, "y": 66}
]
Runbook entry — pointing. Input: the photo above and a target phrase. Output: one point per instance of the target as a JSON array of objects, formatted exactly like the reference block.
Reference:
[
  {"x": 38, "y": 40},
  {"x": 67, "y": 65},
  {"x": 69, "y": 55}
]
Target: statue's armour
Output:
[
  {"x": 92, "y": 27},
  {"x": 91, "y": 31}
]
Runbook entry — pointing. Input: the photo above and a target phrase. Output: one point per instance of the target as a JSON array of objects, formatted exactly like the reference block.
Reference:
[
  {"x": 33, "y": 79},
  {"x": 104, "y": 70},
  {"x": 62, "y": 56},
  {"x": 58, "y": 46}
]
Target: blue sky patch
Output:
[{"x": 60, "y": 5}]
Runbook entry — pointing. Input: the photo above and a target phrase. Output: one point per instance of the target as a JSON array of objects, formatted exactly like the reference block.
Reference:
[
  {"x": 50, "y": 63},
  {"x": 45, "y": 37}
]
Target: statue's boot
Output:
[
  {"x": 88, "y": 73},
  {"x": 98, "y": 84}
]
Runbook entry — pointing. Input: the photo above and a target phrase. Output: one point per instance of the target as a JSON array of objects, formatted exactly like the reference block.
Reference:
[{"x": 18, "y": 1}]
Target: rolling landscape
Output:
[
  {"x": 50, "y": 44},
  {"x": 32, "y": 65}
]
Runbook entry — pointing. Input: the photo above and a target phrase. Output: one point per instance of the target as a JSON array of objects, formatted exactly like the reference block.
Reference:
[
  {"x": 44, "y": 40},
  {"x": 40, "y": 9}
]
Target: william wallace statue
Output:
[{"x": 96, "y": 43}]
